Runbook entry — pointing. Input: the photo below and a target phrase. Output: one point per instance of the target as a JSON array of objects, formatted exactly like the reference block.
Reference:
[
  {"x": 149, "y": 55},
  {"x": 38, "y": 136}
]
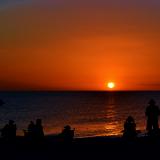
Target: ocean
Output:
[{"x": 90, "y": 113}]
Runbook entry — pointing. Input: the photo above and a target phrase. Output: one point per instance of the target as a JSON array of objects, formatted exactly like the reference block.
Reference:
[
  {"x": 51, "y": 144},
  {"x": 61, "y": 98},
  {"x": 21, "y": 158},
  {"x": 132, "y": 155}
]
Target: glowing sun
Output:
[{"x": 111, "y": 85}]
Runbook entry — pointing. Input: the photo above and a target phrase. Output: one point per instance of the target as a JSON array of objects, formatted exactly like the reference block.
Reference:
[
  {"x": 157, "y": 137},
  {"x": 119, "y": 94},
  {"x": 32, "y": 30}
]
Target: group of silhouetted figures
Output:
[
  {"x": 152, "y": 113},
  {"x": 35, "y": 130},
  {"x": 8, "y": 132}
]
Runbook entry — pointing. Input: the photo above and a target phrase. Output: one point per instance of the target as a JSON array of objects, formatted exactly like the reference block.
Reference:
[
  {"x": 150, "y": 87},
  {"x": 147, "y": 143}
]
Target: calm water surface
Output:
[{"x": 90, "y": 113}]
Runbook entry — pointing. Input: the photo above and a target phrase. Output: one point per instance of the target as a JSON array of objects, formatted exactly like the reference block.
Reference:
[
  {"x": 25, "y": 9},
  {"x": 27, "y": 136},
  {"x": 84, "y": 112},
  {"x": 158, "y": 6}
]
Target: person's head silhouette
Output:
[
  {"x": 67, "y": 127},
  {"x": 38, "y": 121},
  {"x": 11, "y": 122},
  {"x": 130, "y": 119},
  {"x": 152, "y": 102}
]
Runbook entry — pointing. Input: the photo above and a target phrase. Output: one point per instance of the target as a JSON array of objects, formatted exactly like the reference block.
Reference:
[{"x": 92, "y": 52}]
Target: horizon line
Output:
[{"x": 80, "y": 90}]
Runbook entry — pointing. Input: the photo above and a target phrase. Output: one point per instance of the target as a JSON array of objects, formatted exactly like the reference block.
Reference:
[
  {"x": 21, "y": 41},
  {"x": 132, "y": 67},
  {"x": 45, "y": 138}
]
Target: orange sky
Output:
[{"x": 79, "y": 47}]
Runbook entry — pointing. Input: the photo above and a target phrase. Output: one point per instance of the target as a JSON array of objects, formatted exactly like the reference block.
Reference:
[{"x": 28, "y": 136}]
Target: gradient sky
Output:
[{"x": 79, "y": 44}]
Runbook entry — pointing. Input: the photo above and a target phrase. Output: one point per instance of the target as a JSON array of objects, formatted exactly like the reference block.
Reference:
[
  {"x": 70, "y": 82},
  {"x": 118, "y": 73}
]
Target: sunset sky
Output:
[{"x": 79, "y": 44}]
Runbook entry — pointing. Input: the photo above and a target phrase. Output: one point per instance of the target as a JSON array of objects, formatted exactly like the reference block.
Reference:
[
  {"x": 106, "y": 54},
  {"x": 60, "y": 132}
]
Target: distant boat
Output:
[{"x": 1, "y": 102}]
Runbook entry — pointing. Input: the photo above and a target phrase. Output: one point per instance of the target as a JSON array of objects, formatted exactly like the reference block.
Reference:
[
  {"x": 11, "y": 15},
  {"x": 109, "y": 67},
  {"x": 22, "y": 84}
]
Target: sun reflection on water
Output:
[{"x": 112, "y": 126}]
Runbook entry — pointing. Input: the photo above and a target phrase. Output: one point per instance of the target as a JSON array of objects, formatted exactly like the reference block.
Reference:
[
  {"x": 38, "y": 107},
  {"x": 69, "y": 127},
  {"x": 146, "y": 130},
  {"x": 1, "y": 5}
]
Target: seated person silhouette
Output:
[
  {"x": 152, "y": 113},
  {"x": 9, "y": 130},
  {"x": 130, "y": 128},
  {"x": 30, "y": 132},
  {"x": 67, "y": 134},
  {"x": 39, "y": 134}
]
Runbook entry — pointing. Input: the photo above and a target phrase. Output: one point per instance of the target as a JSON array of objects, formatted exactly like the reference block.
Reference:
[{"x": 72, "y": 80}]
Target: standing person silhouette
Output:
[
  {"x": 31, "y": 130},
  {"x": 152, "y": 114},
  {"x": 39, "y": 129}
]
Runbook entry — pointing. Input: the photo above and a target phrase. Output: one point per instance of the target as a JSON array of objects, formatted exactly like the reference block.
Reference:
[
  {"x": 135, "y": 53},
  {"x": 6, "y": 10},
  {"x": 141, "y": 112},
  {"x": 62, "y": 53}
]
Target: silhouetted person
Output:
[
  {"x": 1, "y": 102},
  {"x": 152, "y": 113},
  {"x": 31, "y": 127},
  {"x": 9, "y": 130},
  {"x": 130, "y": 128},
  {"x": 4, "y": 131},
  {"x": 67, "y": 134},
  {"x": 30, "y": 132},
  {"x": 39, "y": 129}
]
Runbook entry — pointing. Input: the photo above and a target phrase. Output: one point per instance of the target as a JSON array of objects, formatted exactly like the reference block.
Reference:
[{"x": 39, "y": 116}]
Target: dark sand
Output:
[{"x": 82, "y": 148}]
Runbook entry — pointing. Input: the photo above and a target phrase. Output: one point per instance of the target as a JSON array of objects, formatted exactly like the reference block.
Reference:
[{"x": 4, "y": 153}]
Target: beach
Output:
[{"x": 82, "y": 148}]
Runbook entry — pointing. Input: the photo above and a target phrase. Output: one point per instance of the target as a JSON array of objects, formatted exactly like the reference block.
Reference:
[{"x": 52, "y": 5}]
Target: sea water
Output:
[{"x": 90, "y": 113}]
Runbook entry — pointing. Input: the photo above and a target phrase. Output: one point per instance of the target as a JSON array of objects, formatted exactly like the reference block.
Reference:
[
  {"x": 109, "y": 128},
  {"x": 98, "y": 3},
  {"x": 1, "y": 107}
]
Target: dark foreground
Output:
[{"x": 84, "y": 148}]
